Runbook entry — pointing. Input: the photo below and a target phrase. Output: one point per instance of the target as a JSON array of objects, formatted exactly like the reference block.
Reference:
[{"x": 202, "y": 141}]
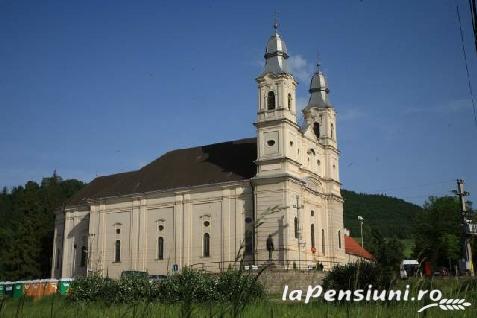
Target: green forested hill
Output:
[{"x": 391, "y": 216}]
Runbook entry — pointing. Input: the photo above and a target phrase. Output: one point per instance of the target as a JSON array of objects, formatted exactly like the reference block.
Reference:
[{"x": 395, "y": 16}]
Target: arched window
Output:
[
  {"x": 339, "y": 239},
  {"x": 316, "y": 130},
  {"x": 296, "y": 227},
  {"x": 323, "y": 241},
  {"x": 160, "y": 248},
  {"x": 289, "y": 101},
  {"x": 332, "y": 131},
  {"x": 117, "y": 251},
  {"x": 312, "y": 231},
  {"x": 271, "y": 100},
  {"x": 84, "y": 254},
  {"x": 312, "y": 213},
  {"x": 206, "y": 243}
]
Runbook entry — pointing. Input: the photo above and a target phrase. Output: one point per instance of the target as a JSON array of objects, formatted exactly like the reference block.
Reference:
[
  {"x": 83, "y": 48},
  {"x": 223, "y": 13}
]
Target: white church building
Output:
[{"x": 271, "y": 200}]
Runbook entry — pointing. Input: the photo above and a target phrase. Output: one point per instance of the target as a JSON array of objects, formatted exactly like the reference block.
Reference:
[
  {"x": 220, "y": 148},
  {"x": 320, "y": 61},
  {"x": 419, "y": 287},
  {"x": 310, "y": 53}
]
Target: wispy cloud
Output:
[{"x": 300, "y": 68}]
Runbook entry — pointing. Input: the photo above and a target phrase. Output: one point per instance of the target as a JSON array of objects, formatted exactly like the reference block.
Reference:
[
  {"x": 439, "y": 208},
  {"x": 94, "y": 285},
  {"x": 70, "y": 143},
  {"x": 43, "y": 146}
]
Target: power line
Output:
[
  {"x": 465, "y": 61},
  {"x": 473, "y": 14}
]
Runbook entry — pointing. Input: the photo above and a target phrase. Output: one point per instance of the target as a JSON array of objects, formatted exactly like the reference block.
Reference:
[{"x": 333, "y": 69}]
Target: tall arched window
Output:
[
  {"x": 84, "y": 254},
  {"x": 117, "y": 251},
  {"x": 316, "y": 130},
  {"x": 295, "y": 221},
  {"x": 332, "y": 131},
  {"x": 206, "y": 244},
  {"x": 160, "y": 248},
  {"x": 312, "y": 231},
  {"x": 271, "y": 100},
  {"x": 323, "y": 242},
  {"x": 339, "y": 239},
  {"x": 289, "y": 101}
]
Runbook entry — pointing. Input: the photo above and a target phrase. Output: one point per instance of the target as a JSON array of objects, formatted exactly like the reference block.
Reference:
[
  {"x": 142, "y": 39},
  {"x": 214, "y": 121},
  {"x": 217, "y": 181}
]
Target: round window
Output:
[
  {"x": 206, "y": 223},
  {"x": 270, "y": 142},
  {"x": 248, "y": 219},
  {"x": 161, "y": 227}
]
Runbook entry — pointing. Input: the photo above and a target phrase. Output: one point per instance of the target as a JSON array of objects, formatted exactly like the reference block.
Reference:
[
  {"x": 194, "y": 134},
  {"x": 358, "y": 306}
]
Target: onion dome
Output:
[
  {"x": 319, "y": 90},
  {"x": 276, "y": 54}
]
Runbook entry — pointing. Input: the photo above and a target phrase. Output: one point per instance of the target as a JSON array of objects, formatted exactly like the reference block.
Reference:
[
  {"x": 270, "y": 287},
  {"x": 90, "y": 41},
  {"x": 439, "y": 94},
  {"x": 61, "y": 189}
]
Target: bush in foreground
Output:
[
  {"x": 358, "y": 275},
  {"x": 189, "y": 286}
]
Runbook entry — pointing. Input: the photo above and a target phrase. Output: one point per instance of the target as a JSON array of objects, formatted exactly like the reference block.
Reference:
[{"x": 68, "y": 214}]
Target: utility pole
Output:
[
  {"x": 466, "y": 233},
  {"x": 298, "y": 207},
  {"x": 361, "y": 221}
]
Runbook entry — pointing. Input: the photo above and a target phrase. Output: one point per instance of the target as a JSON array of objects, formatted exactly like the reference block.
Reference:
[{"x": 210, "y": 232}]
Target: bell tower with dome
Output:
[
  {"x": 276, "y": 113},
  {"x": 297, "y": 200}
]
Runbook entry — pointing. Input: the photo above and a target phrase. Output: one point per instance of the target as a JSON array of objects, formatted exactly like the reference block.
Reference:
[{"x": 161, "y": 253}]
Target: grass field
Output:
[
  {"x": 273, "y": 307},
  {"x": 60, "y": 308}
]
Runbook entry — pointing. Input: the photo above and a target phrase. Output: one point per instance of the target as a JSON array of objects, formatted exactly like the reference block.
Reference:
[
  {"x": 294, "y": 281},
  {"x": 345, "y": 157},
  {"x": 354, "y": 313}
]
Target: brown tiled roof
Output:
[
  {"x": 221, "y": 162},
  {"x": 352, "y": 247}
]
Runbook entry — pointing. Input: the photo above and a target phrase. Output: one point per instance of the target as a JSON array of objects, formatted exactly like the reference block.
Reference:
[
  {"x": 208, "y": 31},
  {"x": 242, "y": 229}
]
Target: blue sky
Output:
[{"x": 98, "y": 87}]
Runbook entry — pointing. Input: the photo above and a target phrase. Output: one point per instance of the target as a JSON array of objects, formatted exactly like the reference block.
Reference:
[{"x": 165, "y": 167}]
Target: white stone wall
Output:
[{"x": 181, "y": 214}]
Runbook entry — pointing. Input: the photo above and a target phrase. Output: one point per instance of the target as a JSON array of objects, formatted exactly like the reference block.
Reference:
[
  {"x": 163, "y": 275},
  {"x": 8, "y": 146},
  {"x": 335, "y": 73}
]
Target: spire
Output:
[
  {"x": 276, "y": 53},
  {"x": 318, "y": 90}
]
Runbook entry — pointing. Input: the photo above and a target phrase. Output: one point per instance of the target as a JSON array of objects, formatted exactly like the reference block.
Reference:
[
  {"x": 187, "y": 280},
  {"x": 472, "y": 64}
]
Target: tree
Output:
[
  {"x": 388, "y": 252},
  {"x": 26, "y": 230},
  {"x": 437, "y": 231}
]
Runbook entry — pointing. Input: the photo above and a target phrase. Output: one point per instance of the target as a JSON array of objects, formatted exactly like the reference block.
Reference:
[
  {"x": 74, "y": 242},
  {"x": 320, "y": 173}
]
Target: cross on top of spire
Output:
[
  {"x": 275, "y": 21},
  {"x": 318, "y": 61}
]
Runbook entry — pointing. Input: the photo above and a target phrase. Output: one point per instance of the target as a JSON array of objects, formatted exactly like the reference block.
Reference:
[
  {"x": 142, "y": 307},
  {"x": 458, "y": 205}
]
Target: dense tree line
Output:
[{"x": 27, "y": 224}]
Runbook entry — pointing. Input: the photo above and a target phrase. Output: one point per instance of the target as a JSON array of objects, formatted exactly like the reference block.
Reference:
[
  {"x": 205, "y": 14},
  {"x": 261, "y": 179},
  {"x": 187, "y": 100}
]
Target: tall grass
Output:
[{"x": 59, "y": 307}]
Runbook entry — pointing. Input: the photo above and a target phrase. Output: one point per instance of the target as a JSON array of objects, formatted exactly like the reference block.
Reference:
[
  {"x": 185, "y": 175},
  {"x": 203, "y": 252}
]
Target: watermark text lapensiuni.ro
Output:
[{"x": 375, "y": 295}]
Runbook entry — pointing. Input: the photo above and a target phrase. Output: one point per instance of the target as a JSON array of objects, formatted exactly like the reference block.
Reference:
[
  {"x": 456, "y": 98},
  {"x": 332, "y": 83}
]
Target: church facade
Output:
[{"x": 270, "y": 200}]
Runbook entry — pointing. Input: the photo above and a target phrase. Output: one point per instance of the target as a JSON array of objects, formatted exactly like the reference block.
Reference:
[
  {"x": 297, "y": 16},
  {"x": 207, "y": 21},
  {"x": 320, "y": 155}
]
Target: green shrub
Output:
[
  {"x": 89, "y": 288},
  {"x": 357, "y": 276},
  {"x": 189, "y": 287},
  {"x": 97, "y": 288},
  {"x": 241, "y": 286},
  {"x": 132, "y": 289}
]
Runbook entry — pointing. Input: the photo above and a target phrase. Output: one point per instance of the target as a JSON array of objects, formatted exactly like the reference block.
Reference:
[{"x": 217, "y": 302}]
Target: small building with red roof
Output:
[{"x": 355, "y": 252}]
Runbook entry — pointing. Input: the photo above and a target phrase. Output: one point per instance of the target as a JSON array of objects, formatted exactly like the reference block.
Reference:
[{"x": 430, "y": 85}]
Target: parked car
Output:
[
  {"x": 157, "y": 278},
  {"x": 134, "y": 274}
]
